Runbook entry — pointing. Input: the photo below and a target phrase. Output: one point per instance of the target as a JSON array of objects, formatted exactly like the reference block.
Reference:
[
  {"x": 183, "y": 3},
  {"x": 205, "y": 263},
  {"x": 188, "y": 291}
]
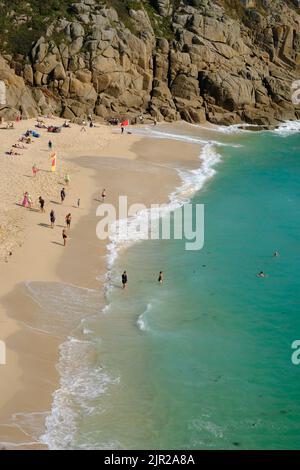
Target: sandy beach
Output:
[{"x": 96, "y": 159}]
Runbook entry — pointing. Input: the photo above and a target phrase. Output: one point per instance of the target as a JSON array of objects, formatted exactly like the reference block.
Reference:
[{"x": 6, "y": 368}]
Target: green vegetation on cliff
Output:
[{"x": 23, "y": 22}]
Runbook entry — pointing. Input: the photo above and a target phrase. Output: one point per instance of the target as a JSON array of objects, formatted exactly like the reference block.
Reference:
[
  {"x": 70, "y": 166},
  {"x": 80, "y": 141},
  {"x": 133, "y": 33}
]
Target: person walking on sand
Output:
[
  {"x": 68, "y": 220},
  {"x": 78, "y": 203},
  {"x": 161, "y": 277},
  {"x": 122, "y": 129},
  {"x": 25, "y": 200},
  {"x": 64, "y": 236},
  {"x": 62, "y": 195},
  {"x": 42, "y": 204},
  {"x": 103, "y": 195},
  {"x": 52, "y": 218},
  {"x": 50, "y": 145},
  {"x": 124, "y": 279}
]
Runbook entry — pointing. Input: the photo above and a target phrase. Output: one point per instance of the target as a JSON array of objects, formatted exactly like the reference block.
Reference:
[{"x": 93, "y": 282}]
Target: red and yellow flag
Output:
[{"x": 53, "y": 161}]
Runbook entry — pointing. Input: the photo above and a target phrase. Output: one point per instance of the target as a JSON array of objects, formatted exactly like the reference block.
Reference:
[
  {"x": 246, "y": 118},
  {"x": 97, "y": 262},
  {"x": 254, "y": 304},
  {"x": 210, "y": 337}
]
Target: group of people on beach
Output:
[
  {"x": 27, "y": 202},
  {"x": 24, "y": 139}
]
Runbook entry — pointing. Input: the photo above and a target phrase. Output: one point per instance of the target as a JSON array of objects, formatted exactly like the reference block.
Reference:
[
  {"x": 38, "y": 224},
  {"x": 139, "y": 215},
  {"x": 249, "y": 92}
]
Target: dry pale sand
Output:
[{"x": 100, "y": 158}]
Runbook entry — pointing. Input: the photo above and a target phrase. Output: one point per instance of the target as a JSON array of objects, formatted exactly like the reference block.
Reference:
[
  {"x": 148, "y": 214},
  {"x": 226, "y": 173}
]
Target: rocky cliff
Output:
[{"x": 225, "y": 61}]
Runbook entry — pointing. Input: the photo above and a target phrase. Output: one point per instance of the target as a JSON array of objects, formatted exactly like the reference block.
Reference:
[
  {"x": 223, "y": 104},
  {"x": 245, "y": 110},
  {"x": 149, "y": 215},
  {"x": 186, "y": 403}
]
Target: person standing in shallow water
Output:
[
  {"x": 161, "y": 277},
  {"x": 124, "y": 279}
]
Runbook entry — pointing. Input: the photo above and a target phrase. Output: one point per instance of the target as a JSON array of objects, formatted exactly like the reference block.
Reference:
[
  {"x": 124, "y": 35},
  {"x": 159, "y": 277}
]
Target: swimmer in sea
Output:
[
  {"x": 261, "y": 274},
  {"x": 276, "y": 254}
]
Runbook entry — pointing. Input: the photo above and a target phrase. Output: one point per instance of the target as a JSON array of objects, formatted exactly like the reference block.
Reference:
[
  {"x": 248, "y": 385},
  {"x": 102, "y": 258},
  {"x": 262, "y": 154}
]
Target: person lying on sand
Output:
[
  {"x": 19, "y": 146},
  {"x": 41, "y": 126},
  {"x": 13, "y": 152}
]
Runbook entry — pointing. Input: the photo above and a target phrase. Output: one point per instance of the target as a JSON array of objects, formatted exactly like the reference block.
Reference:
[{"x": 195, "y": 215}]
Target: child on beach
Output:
[
  {"x": 34, "y": 169},
  {"x": 67, "y": 179},
  {"x": 29, "y": 198}
]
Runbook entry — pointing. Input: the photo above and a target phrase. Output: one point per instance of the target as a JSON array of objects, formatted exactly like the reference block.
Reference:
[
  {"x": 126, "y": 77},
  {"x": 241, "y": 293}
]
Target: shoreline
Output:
[{"x": 69, "y": 269}]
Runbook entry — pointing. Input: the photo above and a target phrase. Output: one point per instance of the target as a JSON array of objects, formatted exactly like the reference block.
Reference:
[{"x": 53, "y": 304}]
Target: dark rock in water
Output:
[
  {"x": 197, "y": 60},
  {"x": 236, "y": 444}
]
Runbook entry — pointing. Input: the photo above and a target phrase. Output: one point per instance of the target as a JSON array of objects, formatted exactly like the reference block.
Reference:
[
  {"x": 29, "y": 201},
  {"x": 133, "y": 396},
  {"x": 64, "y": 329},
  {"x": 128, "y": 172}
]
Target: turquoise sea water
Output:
[{"x": 203, "y": 361}]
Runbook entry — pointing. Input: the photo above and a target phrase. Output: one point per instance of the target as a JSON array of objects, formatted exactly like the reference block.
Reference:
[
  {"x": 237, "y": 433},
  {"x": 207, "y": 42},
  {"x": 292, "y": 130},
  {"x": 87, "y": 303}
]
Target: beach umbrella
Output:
[{"x": 53, "y": 161}]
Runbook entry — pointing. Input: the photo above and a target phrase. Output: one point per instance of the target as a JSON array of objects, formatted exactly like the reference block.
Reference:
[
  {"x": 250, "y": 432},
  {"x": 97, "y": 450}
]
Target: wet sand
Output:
[{"x": 142, "y": 169}]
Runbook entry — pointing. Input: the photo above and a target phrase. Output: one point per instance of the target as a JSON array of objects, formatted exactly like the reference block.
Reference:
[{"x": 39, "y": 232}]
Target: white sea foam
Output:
[
  {"x": 232, "y": 129},
  {"x": 106, "y": 309},
  {"x": 142, "y": 320},
  {"x": 126, "y": 232},
  {"x": 161, "y": 134},
  {"x": 81, "y": 382},
  {"x": 81, "y": 379},
  {"x": 288, "y": 128}
]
